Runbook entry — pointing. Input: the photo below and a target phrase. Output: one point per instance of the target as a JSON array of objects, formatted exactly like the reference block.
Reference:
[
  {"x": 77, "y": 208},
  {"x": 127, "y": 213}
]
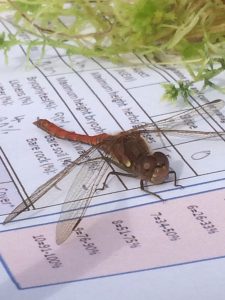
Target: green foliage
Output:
[
  {"x": 181, "y": 90},
  {"x": 192, "y": 31}
]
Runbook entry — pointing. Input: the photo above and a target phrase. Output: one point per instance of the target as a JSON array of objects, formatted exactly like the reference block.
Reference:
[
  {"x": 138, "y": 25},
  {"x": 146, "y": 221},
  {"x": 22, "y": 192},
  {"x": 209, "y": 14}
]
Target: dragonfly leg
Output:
[
  {"x": 175, "y": 179},
  {"x": 114, "y": 173},
  {"x": 147, "y": 191}
]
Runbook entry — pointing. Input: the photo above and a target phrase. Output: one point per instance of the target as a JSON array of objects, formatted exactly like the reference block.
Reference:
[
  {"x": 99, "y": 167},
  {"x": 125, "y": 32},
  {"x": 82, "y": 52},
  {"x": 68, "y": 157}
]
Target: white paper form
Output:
[{"x": 129, "y": 244}]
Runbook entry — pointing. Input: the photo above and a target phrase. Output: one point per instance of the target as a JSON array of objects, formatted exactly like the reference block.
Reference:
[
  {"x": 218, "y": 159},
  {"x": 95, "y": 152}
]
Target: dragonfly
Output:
[{"x": 127, "y": 150}]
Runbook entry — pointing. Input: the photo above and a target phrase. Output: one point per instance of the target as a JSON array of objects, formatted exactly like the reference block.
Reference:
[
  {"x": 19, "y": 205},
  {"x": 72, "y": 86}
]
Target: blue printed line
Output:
[{"x": 109, "y": 275}]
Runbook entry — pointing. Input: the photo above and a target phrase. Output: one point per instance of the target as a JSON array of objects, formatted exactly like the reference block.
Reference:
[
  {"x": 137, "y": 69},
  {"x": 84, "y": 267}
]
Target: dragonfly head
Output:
[{"x": 154, "y": 168}]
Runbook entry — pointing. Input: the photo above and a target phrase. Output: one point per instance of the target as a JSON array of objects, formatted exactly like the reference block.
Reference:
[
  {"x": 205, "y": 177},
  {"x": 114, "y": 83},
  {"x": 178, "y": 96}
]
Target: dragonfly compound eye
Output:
[{"x": 162, "y": 168}]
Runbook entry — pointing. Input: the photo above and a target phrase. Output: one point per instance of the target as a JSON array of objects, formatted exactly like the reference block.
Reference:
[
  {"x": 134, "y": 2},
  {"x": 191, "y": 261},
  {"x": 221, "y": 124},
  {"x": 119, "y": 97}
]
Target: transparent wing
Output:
[
  {"x": 204, "y": 110},
  {"x": 180, "y": 132},
  {"x": 79, "y": 197},
  {"x": 46, "y": 187}
]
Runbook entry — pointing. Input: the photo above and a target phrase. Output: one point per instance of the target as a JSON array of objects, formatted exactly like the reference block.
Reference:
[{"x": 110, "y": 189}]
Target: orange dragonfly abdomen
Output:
[{"x": 70, "y": 135}]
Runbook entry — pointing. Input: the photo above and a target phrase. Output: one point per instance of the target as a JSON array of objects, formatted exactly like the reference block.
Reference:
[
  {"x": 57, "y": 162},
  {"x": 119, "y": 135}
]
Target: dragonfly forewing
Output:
[
  {"x": 203, "y": 111},
  {"x": 48, "y": 186}
]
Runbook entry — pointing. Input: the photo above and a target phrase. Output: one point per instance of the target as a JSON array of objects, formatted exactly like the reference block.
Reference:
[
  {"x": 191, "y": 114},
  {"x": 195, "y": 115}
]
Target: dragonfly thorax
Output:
[{"x": 153, "y": 167}]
